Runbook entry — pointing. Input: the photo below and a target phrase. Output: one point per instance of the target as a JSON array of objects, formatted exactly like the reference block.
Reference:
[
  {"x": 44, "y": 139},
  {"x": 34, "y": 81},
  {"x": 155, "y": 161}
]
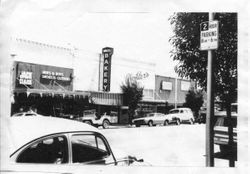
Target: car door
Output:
[
  {"x": 158, "y": 118},
  {"x": 90, "y": 148},
  {"x": 182, "y": 115}
]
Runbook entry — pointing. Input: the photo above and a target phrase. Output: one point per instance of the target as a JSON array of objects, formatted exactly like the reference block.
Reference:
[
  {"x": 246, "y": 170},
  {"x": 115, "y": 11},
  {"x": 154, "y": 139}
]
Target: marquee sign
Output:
[
  {"x": 43, "y": 76},
  {"x": 107, "y": 53}
]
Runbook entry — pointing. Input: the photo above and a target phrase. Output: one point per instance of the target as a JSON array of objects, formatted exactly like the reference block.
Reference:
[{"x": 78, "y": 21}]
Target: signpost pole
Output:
[{"x": 210, "y": 109}]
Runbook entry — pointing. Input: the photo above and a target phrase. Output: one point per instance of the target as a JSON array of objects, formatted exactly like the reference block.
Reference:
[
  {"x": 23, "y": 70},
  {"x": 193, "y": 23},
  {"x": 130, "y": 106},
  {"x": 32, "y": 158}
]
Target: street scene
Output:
[
  {"x": 88, "y": 88},
  {"x": 164, "y": 146}
]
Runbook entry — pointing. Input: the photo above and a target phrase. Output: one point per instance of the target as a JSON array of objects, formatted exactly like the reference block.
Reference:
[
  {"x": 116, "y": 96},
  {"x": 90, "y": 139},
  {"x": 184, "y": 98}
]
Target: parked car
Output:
[
  {"x": 221, "y": 132},
  {"x": 180, "y": 115},
  {"x": 202, "y": 114},
  {"x": 21, "y": 114},
  {"x": 151, "y": 119},
  {"x": 105, "y": 120},
  {"x": 50, "y": 140}
]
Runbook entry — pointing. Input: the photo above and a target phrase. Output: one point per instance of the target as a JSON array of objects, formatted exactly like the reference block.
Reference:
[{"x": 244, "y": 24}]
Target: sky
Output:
[
  {"x": 137, "y": 29},
  {"x": 133, "y": 30}
]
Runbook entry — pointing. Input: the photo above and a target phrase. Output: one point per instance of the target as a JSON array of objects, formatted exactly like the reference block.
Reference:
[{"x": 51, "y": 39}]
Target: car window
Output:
[
  {"x": 30, "y": 114},
  {"x": 88, "y": 148},
  {"x": 150, "y": 115},
  {"x": 174, "y": 111},
  {"x": 48, "y": 150},
  {"x": 17, "y": 115},
  {"x": 224, "y": 121}
]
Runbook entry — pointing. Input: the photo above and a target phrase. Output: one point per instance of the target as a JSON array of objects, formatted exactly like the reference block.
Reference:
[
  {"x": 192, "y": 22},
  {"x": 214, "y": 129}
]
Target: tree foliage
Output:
[
  {"x": 194, "y": 100},
  {"x": 132, "y": 94},
  {"x": 192, "y": 62}
]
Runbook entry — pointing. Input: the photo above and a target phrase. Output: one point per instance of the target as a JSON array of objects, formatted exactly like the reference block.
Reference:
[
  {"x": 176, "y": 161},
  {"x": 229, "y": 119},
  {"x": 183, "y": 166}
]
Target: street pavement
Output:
[{"x": 171, "y": 145}]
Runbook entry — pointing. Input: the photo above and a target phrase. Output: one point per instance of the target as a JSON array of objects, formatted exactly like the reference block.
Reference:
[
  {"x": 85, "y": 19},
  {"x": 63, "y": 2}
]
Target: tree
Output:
[
  {"x": 132, "y": 94},
  {"x": 194, "y": 100},
  {"x": 193, "y": 62}
]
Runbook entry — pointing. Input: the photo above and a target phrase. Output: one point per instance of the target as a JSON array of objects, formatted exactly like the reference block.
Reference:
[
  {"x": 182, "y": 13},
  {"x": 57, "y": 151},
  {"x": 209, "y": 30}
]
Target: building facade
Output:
[{"x": 71, "y": 79}]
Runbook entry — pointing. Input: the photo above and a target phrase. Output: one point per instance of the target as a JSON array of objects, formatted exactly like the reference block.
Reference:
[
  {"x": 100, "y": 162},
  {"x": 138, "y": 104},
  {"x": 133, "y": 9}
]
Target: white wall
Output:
[{"x": 84, "y": 63}]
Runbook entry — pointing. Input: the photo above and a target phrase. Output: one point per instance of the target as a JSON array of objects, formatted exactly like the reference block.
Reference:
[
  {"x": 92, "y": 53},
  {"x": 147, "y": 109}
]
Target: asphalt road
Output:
[{"x": 172, "y": 145}]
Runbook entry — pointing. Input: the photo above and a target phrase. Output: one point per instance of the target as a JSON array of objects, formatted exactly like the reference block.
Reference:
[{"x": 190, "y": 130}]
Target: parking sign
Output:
[{"x": 209, "y": 35}]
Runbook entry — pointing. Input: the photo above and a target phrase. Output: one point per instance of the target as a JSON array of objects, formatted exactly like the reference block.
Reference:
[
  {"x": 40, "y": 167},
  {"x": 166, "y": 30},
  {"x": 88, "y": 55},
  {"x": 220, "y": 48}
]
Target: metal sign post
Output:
[{"x": 209, "y": 41}]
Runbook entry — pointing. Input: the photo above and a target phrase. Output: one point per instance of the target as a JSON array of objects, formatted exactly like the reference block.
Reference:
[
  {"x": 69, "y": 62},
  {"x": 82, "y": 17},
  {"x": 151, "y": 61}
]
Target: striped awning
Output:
[
  {"x": 105, "y": 98},
  {"x": 42, "y": 92}
]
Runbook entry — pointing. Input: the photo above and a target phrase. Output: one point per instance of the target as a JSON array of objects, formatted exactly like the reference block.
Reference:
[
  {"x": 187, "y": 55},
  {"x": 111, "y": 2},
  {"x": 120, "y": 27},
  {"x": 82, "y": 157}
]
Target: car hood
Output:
[
  {"x": 121, "y": 155},
  {"x": 171, "y": 115}
]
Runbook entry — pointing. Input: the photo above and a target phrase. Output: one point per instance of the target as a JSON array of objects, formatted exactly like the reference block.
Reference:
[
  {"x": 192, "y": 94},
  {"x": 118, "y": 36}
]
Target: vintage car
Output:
[
  {"x": 50, "y": 140},
  {"x": 181, "y": 115},
  {"x": 90, "y": 117},
  {"x": 221, "y": 131},
  {"x": 21, "y": 114},
  {"x": 152, "y": 119}
]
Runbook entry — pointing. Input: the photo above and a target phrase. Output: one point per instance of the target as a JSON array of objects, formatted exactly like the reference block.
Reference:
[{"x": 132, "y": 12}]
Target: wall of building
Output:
[
  {"x": 84, "y": 63},
  {"x": 171, "y": 89}
]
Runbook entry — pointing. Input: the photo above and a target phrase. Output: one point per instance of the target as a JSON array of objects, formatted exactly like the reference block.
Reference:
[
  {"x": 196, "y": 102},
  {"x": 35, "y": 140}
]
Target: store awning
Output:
[
  {"x": 105, "y": 98},
  {"x": 42, "y": 92}
]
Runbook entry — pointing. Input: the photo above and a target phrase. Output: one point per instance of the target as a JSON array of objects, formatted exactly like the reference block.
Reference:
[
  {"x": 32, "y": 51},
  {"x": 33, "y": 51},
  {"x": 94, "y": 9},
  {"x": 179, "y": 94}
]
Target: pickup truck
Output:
[{"x": 105, "y": 120}]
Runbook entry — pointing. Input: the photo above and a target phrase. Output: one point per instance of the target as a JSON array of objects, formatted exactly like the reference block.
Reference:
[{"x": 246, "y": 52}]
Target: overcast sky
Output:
[{"x": 135, "y": 29}]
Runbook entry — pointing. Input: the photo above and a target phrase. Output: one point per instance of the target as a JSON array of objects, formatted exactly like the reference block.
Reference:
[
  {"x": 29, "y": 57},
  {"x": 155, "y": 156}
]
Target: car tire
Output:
[
  {"x": 150, "y": 123},
  {"x": 191, "y": 121},
  {"x": 88, "y": 122},
  {"x": 166, "y": 123},
  {"x": 137, "y": 125},
  {"x": 178, "y": 122},
  {"x": 105, "y": 124}
]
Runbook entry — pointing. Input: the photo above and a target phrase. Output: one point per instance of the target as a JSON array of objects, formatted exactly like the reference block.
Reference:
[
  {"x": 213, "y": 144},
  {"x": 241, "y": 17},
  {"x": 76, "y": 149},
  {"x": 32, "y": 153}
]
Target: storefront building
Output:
[
  {"x": 46, "y": 89},
  {"x": 64, "y": 80},
  {"x": 173, "y": 90},
  {"x": 60, "y": 80}
]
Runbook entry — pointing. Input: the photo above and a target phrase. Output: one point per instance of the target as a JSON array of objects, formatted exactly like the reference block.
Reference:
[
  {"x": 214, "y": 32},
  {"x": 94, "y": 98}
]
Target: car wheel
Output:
[
  {"x": 178, "y": 122},
  {"x": 191, "y": 121},
  {"x": 88, "y": 122},
  {"x": 137, "y": 125},
  {"x": 105, "y": 124},
  {"x": 165, "y": 122},
  {"x": 150, "y": 123}
]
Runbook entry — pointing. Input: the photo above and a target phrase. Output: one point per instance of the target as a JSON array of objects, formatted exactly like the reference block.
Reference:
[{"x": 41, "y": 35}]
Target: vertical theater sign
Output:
[{"x": 107, "y": 54}]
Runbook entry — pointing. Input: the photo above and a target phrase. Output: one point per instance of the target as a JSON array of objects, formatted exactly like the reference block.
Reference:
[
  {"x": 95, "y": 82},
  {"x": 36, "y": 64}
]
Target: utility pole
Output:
[{"x": 210, "y": 108}]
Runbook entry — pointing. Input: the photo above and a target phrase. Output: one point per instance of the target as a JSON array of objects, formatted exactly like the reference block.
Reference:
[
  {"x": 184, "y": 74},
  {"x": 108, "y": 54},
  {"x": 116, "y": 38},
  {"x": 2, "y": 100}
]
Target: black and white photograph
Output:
[{"x": 116, "y": 86}]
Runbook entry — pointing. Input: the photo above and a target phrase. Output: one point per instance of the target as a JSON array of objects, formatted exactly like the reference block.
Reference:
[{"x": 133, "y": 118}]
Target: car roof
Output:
[
  {"x": 22, "y": 130},
  {"x": 180, "y": 109},
  {"x": 24, "y": 113}
]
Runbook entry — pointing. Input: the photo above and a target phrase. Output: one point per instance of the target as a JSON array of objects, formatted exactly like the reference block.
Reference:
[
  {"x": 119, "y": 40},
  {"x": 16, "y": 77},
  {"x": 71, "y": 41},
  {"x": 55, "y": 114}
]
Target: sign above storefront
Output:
[
  {"x": 140, "y": 75},
  {"x": 35, "y": 76},
  {"x": 54, "y": 76},
  {"x": 166, "y": 85},
  {"x": 107, "y": 54},
  {"x": 25, "y": 78}
]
